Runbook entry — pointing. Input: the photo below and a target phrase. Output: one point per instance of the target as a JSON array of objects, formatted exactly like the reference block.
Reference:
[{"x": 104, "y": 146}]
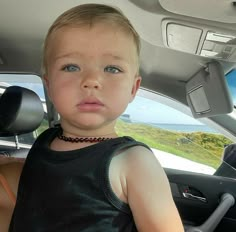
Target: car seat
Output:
[{"x": 21, "y": 111}]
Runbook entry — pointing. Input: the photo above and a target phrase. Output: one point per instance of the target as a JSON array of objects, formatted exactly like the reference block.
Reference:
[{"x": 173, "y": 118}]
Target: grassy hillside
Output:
[{"x": 204, "y": 148}]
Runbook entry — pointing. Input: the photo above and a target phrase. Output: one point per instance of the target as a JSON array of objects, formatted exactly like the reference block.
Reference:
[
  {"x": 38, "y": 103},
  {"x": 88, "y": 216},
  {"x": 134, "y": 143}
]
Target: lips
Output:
[{"x": 90, "y": 104}]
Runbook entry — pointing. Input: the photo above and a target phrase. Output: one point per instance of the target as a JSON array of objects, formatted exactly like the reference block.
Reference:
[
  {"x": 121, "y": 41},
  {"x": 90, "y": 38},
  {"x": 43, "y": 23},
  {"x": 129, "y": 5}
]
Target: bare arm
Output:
[
  {"x": 149, "y": 194},
  {"x": 10, "y": 174}
]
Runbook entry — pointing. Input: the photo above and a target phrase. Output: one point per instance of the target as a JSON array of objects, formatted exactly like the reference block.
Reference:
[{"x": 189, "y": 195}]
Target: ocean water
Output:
[{"x": 184, "y": 127}]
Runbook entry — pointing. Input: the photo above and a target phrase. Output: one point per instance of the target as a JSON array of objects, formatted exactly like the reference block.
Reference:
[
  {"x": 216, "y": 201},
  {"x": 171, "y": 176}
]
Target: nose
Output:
[{"x": 91, "y": 81}]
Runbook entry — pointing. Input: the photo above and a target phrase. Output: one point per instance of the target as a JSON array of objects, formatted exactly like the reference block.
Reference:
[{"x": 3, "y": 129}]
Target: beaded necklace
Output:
[{"x": 81, "y": 139}]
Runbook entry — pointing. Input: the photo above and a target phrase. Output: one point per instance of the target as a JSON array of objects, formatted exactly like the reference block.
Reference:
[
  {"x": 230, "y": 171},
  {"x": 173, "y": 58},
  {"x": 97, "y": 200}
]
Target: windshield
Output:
[
  {"x": 228, "y": 166},
  {"x": 231, "y": 80}
]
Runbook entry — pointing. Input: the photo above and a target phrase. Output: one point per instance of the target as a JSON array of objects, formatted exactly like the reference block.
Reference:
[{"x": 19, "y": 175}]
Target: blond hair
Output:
[{"x": 90, "y": 14}]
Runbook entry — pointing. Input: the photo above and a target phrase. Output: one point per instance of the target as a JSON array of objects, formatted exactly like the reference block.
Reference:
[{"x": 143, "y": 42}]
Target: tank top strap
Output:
[{"x": 125, "y": 142}]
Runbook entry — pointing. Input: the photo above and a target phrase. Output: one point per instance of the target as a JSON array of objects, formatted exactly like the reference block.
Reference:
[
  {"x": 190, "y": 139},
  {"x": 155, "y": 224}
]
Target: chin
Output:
[{"x": 90, "y": 124}]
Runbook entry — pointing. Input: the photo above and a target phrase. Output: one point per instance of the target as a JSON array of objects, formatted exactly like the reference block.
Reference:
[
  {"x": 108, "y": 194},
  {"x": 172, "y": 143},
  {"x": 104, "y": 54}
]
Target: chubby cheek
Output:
[
  {"x": 119, "y": 100},
  {"x": 61, "y": 96}
]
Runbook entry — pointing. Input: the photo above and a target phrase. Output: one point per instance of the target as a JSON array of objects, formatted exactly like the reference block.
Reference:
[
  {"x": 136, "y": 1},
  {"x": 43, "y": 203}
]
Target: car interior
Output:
[
  {"x": 188, "y": 48},
  {"x": 21, "y": 111}
]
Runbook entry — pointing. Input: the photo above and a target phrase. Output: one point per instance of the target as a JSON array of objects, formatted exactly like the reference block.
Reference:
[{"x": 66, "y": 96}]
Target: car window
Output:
[
  {"x": 34, "y": 83},
  {"x": 231, "y": 81},
  {"x": 177, "y": 140}
]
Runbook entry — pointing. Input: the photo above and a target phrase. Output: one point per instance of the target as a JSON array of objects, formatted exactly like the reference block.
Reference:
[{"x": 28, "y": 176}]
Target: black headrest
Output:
[{"x": 21, "y": 111}]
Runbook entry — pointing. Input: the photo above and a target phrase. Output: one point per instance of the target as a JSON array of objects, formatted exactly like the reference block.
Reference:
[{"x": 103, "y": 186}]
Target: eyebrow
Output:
[
  {"x": 116, "y": 57},
  {"x": 67, "y": 55},
  {"x": 78, "y": 54}
]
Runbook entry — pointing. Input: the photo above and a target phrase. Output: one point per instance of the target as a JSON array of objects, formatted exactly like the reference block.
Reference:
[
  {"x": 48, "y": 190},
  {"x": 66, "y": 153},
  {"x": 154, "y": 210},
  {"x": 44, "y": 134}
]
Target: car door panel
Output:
[{"x": 207, "y": 191}]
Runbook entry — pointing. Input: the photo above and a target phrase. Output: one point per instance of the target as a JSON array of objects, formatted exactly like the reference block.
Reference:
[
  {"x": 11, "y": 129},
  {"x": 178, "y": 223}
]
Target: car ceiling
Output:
[
  {"x": 24, "y": 24},
  {"x": 23, "y": 30}
]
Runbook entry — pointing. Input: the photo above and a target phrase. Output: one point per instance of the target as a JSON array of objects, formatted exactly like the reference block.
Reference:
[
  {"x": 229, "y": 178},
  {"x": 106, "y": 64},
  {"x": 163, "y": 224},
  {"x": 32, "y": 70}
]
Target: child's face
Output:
[{"x": 92, "y": 74}]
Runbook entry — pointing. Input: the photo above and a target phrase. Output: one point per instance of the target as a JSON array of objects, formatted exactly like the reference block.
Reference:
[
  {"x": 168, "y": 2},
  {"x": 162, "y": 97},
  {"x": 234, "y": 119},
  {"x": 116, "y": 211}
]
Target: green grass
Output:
[{"x": 204, "y": 148}]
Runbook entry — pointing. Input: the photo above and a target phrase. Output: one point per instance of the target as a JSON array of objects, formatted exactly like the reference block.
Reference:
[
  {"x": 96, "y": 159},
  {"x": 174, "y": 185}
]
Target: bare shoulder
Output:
[
  {"x": 137, "y": 160},
  {"x": 148, "y": 192},
  {"x": 143, "y": 171},
  {"x": 140, "y": 158},
  {"x": 121, "y": 164},
  {"x": 137, "y": 153}
]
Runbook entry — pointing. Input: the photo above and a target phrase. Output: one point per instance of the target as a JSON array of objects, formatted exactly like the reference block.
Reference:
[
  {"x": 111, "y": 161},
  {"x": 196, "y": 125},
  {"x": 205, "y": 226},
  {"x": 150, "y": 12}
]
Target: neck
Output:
[
  {"x": 105, "y": 131},
  {"x": 75, "y": 132}
]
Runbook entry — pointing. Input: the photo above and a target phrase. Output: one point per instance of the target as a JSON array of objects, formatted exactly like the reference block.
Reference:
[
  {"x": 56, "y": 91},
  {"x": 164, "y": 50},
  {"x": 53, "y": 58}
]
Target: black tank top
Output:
[{"x": 70, "y": 191}]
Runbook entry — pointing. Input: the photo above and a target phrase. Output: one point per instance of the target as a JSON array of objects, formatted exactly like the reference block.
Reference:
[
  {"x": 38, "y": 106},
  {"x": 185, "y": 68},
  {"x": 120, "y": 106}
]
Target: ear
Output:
[
  {"x": 46, "y": 84},
  {"x": 136, "y": 85},
  {"x": 45, "y": 80}
]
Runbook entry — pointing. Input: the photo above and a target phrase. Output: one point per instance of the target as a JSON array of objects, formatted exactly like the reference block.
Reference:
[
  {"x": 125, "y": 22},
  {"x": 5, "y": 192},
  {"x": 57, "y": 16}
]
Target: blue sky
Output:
[{"x": 143, "y": 109}]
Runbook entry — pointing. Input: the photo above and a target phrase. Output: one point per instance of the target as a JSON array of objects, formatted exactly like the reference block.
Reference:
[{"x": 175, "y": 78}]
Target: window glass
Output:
[
  {"x": 34, "y": 83},
  {"x": 231, "y": 80},
  {"x": 177, "y": 140}
]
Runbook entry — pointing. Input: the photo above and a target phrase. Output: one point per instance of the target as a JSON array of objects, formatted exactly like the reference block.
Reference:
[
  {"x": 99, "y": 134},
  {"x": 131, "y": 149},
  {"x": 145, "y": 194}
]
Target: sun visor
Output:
[{"x": 207, "y": 92}]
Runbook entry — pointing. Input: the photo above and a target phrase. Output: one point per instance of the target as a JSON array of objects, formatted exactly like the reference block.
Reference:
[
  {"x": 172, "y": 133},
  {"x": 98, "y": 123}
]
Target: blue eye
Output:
[
  {"x": 71, "y": 68},
  {"x": 112, "y": 69}
]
